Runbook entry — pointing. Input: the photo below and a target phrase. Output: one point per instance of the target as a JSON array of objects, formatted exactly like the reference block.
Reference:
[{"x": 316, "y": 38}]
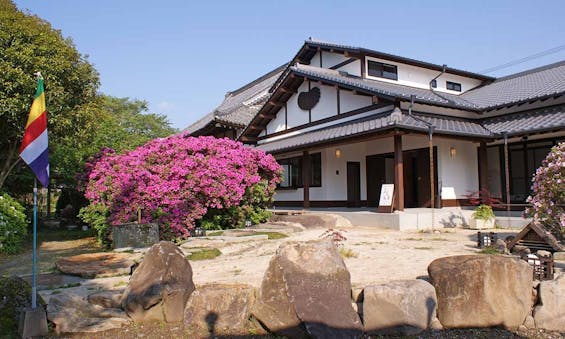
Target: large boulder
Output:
[
  {"x": 404, "y": 307},
  {"x": 15, "y": 297},
  {"x": 482, "y": 290},
  {"x": 550, "y": 314},
  {"x": 306, "y": 291},
  {"x": 72, "y": 313},
  {"x": 220, "y": 310},
  {"x": 160, "y": 286}
]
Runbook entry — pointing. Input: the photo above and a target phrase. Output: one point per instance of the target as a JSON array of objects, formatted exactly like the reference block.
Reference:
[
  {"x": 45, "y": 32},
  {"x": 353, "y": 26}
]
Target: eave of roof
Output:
[
  {"x": 380, "y": 123},
  {"x": 516, "y": 124}
]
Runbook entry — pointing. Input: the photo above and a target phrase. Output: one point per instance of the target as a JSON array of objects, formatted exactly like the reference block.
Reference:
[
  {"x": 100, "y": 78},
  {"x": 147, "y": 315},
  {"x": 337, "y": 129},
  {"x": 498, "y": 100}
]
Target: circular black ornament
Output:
[{"x": 307, "y": 100}]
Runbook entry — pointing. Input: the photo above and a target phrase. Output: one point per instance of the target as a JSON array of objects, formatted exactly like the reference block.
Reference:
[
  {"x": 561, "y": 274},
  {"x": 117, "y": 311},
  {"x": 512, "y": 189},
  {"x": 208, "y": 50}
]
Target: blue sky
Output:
[{"x": 183, "y": 56}]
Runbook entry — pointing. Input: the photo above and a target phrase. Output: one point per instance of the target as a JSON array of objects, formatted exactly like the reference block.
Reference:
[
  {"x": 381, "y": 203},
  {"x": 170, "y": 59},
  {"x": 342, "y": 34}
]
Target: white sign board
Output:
[{"x": 387, "y": 193}]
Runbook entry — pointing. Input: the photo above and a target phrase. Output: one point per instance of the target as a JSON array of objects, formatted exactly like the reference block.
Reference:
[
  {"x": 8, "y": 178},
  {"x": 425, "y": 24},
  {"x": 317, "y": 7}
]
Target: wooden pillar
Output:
[
  {"x": 306, "y": 175},
  {"x": 398, "y": 174},
  {"x": 483, "y": 174}
]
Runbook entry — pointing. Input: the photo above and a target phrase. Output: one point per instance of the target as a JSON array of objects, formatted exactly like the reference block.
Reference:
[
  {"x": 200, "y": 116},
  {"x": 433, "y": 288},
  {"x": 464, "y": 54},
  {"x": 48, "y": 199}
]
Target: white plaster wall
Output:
[
  {"x": 331, "y": 59},
  {"x": 460, "y": 172},
  {"x": 420, "y": 77},
  {"x": 349, "y": 101},
  {"x": 295, "y": 115},
  {"x": 327, "y": 124},
  {"x": 315, "y": 61},
  {"x": 291, "y": 195},
  {"x": 278, "y": 123},
  {"x": 327, "y": 106},
  {"x": 353, "y": 68}
]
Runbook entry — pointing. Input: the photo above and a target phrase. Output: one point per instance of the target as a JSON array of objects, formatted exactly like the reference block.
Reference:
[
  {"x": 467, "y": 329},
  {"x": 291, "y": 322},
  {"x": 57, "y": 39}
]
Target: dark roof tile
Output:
[
  {"x": 533, "y": 84},
  {"x": 538, "y": 120}
]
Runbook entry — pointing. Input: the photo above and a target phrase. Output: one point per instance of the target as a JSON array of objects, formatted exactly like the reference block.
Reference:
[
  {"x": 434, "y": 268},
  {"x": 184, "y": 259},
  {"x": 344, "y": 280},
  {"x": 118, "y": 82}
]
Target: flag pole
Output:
[{"x": 33, "y": 274}]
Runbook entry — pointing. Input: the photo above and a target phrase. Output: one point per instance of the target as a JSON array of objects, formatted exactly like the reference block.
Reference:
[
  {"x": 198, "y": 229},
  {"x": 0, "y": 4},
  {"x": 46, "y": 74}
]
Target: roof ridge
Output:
[
  {"x": 532, "y": 70},
  {"x": 258, "y": 80}
]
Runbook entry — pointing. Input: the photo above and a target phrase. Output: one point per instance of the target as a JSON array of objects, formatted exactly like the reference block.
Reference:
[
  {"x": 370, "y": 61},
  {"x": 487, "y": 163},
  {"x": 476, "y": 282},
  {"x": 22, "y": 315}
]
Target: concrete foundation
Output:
[{"x": 417, "y": 218}]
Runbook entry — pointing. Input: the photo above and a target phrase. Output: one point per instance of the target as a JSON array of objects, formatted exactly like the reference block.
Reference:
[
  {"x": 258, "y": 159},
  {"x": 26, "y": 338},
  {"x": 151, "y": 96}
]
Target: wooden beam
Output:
[
  {"x": 287, "y": 90},
  {"x": 266, "y": 116},
  {"x": 276, "y": 103},
  {"x": 398, "y": 174},
  {"x": 306, "y": 174},
  {"x": 248, "y": 139},
  {"x": 483, "y": 173}
]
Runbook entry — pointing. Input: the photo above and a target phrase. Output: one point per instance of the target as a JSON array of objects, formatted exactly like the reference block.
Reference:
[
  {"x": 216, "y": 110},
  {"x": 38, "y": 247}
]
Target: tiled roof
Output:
[
  {"x": 401, "y": 59},
  {"x": 384, "y": 88},
  {"x": 379, "y": 123},
  {"x": 525, "y": 86},
  {"x": 538, "y": 120},
  {"x": 241, "y": 105}
]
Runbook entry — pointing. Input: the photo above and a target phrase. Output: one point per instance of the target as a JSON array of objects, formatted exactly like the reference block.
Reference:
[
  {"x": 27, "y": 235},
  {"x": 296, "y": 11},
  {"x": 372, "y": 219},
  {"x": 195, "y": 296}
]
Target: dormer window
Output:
[
  {"x": 382, "y": 70},
  {"x": 453, "y": 86}
]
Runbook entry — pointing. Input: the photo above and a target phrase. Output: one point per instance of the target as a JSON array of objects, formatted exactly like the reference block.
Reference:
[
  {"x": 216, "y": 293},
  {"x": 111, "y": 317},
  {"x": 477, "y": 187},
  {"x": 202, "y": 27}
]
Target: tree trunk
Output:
[{"x": 10, "y": 161}]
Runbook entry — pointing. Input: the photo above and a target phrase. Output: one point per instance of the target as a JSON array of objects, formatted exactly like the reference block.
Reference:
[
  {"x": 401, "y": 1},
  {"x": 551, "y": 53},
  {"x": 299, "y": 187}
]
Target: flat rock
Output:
[
  {"x": 404, "y": 307},
  {"x": 220, "y": 310},
  {"x": 73, "y": 314},
  {"x": 106, "y": 299},
  {"x": 97, "y": 265},
  {"x": 482, "y": 290},
  {"x": 160, "y": 286},
  {"x": 51, "y": 281},
  {"x": 313, "y": 220},
  {"x": 306, "y": 292},
  {"x": 550, "y": 314}
]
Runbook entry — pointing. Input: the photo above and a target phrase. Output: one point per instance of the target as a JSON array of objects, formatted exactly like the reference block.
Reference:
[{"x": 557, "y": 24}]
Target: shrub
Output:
[
  {"x": 96, "y": 216},
  {"x": 180, "y": 181},
  {"x": 548, "y": 192},
  {"x": 13, "y": 225},
  {"x": 482, "y": 197},
  {"x": 483, "y": 212}
]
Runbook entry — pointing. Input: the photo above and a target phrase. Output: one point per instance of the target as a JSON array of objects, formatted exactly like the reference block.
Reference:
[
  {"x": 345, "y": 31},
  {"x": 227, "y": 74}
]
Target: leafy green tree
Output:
[
  {"x": 29, "y": 44},
  {"x": 118, "y": 123}
]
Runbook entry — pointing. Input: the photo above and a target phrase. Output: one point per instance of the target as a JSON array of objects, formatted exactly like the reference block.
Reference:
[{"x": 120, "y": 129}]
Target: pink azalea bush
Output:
[
  {"x": 177, "y": 181},
  {"x": 548, "y": 192}
]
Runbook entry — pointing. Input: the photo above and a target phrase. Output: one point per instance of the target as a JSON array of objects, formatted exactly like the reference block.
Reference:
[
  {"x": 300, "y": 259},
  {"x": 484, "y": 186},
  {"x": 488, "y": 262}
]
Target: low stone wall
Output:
[
  {"x": 306, "y": 292},
  {"x": 135, "y": 235}
]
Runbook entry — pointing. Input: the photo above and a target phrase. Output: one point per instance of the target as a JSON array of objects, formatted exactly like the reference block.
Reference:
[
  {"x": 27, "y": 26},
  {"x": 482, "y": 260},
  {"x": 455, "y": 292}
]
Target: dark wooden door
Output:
[
  {"x": 417, "y": 190},
  {"x": 353, "y": 184},
  {"x": 376, "y": 177}
]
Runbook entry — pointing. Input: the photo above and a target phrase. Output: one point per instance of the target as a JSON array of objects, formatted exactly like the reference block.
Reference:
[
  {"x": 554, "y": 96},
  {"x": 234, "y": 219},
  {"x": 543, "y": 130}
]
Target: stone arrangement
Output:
[{"x": 306, "y": 292}]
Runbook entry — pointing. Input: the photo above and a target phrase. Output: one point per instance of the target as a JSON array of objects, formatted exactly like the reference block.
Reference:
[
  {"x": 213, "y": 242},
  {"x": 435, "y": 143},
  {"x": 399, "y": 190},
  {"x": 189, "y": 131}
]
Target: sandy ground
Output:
[{"x": 380, "y": 255}]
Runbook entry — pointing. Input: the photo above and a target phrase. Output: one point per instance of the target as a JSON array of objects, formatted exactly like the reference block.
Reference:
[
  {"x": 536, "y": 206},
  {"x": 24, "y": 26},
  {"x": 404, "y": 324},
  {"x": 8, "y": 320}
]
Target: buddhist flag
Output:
[{"x": 34, "y": 150}]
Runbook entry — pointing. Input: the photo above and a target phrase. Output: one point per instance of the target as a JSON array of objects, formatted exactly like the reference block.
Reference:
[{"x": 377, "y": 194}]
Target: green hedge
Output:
[{"x": 13, "y": 225}]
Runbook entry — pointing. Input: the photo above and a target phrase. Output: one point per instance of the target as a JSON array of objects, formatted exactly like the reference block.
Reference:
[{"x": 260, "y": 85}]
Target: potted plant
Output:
[{"x": 483, "y": 217}]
